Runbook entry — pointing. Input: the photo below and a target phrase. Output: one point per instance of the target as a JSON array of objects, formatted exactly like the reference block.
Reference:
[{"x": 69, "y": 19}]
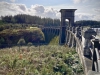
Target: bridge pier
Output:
[
  {"x": 66, "y": 14},
  {"x": 62, "y": 31}
]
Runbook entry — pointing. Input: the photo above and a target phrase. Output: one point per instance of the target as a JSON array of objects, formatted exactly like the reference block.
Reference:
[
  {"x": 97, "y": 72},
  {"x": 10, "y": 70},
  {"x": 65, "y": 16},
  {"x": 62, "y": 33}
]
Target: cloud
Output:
[
  {"x": 79, "y": 1},
  {"x": 12, "y": 9},
  {"x": 50, "y": 12},
  {"x": 96, "y": 17},
  {"x": 22, "y": 7},
  {"x": 97, "y": 10},
  {"x": 82, "y": 16},
  {"x": 85, "y": 16},
  {"x": 39, "y": 10}
]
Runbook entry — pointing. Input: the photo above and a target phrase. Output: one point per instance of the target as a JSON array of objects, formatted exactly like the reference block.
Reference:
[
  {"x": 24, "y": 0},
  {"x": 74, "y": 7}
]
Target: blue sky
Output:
[{"x": 86, "y": 9}]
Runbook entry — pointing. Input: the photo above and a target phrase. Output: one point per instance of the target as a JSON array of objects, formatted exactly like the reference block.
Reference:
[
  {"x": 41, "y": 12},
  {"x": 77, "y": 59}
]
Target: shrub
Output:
[
  {"x": 21, "y": 42},
  {"x": 62, "y": 68}
]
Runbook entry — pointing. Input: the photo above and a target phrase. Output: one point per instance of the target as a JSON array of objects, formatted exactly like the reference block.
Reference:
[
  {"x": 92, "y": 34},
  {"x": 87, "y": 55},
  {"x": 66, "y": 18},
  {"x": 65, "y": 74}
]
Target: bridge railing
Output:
[{"x": 75, "y": 41}]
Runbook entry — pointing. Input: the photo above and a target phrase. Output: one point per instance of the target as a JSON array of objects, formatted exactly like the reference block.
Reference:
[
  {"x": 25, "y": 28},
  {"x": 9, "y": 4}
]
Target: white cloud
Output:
[
  {"x": 82, "y": 16},
  {"x": 96, "y": 17},
  {"x": 43, "y": 11},
  {"x": 39, "y": 10},
  {"x": 79, "y": 1},
  {"x": 85, "y": 16},
  {"x": 22, "y": 7},
  {"x": 50, "y": 12},
  {"x": 12, "y": 9}
]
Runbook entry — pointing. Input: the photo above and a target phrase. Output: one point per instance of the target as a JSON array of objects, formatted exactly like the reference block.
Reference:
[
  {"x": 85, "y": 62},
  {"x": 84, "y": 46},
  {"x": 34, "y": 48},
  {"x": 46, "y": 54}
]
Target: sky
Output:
[{"x": 86, "y": 9}]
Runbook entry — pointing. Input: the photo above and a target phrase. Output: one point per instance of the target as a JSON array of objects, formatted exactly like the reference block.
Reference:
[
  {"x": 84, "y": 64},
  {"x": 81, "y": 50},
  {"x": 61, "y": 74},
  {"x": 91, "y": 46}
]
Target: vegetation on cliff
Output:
[{"x": 9, "y": 37}]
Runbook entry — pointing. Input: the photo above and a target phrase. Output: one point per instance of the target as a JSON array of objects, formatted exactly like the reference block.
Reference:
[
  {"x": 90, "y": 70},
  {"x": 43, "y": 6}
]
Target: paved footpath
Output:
[
  {"x": 89, "y": 67},
  {"x": 88, "y": 63}
]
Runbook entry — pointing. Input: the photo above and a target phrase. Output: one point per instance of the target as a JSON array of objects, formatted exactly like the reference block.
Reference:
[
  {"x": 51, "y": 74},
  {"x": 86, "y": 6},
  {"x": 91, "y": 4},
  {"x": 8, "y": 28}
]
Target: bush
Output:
[
  {"x": 21, "y": 42},
  {"x": 62, "y": 68}
]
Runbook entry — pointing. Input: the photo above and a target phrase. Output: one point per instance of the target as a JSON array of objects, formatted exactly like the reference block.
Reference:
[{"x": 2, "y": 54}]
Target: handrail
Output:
[{"x": 80, "y": 49}]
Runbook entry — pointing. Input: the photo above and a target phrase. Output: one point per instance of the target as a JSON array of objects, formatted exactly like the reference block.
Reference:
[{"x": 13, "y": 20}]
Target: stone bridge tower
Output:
[{"x": 66, "y": 14}]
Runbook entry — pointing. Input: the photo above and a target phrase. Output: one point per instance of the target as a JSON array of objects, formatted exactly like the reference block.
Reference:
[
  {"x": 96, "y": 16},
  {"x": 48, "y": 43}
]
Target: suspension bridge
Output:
[{"x": 82, "y": 39}]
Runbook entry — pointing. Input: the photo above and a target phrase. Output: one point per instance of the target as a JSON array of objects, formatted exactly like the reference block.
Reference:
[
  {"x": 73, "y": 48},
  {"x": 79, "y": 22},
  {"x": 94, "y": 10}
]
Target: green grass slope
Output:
[{"x": 40, "y": 60}]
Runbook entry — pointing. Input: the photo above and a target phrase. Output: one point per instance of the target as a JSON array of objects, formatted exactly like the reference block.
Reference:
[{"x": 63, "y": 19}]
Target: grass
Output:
[
  {"x": 54, "y": 41},
  {"x": 40, "y": 60}
]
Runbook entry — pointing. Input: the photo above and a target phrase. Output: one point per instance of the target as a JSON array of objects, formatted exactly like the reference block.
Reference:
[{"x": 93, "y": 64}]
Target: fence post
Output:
[{"x": 73, "y": 38}]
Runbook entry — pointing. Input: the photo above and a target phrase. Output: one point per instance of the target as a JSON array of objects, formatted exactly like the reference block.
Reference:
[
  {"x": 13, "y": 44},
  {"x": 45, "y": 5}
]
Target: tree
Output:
[
  {"x": 21, "y": 42},
  {"x": 28, "y": 19}
]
